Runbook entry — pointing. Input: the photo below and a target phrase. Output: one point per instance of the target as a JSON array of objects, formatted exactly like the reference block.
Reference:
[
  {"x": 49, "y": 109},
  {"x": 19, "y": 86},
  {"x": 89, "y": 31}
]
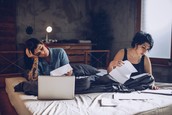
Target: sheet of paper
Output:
[
  {"x": 61, "y": 70},
  {"x": 122, "y": 73},
  {"x": 107, "y": 102},
  {"x": 140, "y": 75},
  {"x": 117, "y": 76},
  {"x": 127, "y": 68},
  {"x": 159, "y": 91},
  {"x": 131, "y": 96}
]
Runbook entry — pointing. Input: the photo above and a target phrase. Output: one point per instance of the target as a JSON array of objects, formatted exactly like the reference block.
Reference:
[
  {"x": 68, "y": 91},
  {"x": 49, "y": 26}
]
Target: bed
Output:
[
  {"x": 86, "y": 104},
  {"x": 138, "y": 103}
]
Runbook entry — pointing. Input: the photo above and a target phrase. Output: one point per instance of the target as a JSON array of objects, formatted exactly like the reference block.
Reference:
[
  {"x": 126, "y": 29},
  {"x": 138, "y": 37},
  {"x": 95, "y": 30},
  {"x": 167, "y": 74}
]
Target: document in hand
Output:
[
  {"x": 61, "y": 70},
  {"x": 122, "y": 74}
]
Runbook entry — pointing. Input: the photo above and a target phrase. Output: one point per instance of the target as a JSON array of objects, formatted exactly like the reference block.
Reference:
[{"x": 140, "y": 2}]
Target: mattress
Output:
[{"x": 90, "y": 104}]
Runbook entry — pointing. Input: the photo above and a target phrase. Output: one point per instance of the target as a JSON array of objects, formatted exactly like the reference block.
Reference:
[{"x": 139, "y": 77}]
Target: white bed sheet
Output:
[{"x": 89, "y": 104}]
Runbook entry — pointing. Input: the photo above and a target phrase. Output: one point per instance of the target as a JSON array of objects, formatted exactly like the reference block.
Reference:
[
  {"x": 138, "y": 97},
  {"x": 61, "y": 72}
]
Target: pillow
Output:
[{"x": 84, "y": 70}]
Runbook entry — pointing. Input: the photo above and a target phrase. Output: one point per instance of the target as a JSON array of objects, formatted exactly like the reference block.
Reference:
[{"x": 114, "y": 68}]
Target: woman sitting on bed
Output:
[
  {"x": 41, "y": 60},
  {"x": 141, "y": 44}
]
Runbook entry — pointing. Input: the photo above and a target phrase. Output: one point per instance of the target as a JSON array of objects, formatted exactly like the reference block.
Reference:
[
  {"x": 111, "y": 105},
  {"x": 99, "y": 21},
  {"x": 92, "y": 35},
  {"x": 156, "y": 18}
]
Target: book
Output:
[
  {"x": 84, "y": 41},
  {"x": 122, "y": 74},
  {"x": 61, "y": 70}
]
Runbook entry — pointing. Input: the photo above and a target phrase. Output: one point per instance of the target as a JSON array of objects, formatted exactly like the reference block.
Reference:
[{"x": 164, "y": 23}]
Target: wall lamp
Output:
[{"x": 48, "y": 30}]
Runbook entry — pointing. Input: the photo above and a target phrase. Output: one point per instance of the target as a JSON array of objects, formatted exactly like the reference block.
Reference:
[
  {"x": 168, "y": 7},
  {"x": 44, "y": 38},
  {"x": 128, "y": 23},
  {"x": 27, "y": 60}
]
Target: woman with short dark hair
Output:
[
  {"x": 140, "y": 45},
  {"x": 44, "y": 59}
]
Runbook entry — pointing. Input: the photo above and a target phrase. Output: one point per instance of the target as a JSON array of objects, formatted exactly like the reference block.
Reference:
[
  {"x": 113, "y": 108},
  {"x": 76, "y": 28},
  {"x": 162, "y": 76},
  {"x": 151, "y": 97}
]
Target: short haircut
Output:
[
  {"x": 142, "y": 37},
  {"x": 32, "y": 44}
]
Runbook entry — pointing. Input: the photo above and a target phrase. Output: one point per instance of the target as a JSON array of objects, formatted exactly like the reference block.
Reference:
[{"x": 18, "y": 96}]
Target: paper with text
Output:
[
  {"x": 61, "y": 70},
  {"x": 122, "y": 73}
]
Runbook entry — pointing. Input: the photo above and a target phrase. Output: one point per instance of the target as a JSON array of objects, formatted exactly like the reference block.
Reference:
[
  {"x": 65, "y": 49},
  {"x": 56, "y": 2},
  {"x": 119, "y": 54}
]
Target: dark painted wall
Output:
[
  {"x": 73, "y": 19},
  {"x": 77, "y": 19}
]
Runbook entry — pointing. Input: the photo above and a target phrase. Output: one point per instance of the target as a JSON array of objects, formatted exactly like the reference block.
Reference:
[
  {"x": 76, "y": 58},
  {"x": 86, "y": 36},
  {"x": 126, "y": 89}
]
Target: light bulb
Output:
[{"x": 49, "y": 29}]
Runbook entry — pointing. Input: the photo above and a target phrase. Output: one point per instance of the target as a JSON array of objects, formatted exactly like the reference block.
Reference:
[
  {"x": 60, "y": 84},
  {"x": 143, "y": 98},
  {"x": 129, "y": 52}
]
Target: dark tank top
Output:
[{"x": 139, "y": 66}]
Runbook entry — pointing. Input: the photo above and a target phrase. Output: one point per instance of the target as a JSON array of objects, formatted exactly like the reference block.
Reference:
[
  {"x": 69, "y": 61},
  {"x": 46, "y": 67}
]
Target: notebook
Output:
[{"x": 61, "y": 87}]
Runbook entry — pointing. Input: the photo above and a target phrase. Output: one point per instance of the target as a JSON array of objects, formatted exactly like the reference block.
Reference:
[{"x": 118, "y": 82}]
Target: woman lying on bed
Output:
[
  {"x": 141, "y": 44},
  {"x": 43, "y": 59}
]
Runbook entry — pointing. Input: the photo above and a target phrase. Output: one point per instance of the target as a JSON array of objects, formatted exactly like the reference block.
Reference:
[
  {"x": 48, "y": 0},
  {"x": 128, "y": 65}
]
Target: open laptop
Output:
[{"x": 62, "y": 87}]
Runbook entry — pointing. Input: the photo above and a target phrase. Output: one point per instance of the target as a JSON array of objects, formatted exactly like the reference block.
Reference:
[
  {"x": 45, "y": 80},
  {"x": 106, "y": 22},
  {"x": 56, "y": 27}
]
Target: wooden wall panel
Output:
[{"x": 7, "y": 25}]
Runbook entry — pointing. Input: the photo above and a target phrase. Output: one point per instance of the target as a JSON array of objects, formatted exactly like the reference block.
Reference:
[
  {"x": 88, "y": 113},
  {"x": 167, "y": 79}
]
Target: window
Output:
[{"x": 156, "y": 19}]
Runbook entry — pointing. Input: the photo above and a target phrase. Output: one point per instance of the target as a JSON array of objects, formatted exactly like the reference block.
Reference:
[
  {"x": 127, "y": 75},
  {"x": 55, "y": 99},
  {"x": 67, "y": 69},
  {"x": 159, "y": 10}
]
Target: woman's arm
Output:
[
  {"x": 147, "y": 65},
  {"x": 61, "y": 58},
  {"x": 117, "y": 61},
  {"x": 33, "y": 73},
  {"x": 148, "y": 69}
]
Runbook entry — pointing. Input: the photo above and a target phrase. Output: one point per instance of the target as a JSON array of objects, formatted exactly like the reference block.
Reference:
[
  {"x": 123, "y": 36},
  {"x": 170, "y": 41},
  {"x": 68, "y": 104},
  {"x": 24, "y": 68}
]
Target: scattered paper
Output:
[
  {"x": 159, "y": 91},
  {"x": 132, "y": 96},
  {"x": 107, "y": 102}
]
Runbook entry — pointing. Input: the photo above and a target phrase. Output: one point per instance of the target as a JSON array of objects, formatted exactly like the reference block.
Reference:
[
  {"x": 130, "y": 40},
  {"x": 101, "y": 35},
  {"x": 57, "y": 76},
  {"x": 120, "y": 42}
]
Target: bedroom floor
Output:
[{"x": 5, "y": 106}]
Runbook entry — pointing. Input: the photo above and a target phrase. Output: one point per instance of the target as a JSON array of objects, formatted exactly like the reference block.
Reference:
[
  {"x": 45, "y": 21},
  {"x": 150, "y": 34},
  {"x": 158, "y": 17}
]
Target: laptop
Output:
[{"x": 61, "y": 87}]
